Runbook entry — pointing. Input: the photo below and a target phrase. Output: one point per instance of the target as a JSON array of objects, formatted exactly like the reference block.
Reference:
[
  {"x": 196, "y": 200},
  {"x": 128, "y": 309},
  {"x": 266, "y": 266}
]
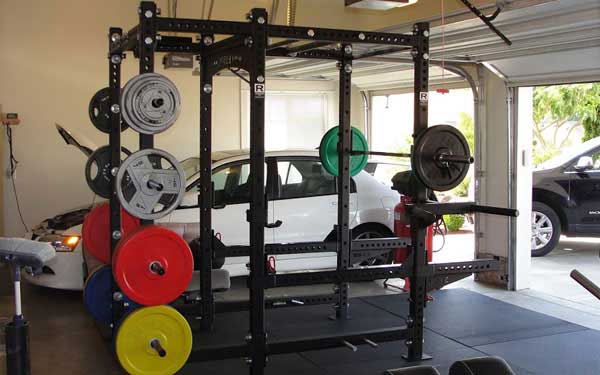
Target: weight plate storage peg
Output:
[
  {"x": 99, "y": 111},
  {"x": 153, "y": 341},
  {"x": 150, "y": 184},
  {"x": 98, "y": 297},
  {"x": 328, "y": 151},
  {"x": 97, "y": 170},
  {"x": 150, "y": 103},
  {"x": 153, "y": 265},
  {"x": 96, "y": 231},
  {"x": 441, "y": 157}
]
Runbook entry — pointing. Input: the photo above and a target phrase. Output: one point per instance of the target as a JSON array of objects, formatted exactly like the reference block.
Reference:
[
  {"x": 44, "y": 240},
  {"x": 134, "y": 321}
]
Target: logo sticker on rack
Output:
[
  {"x": 423, "y": 97},
  {"x": 259, "y": 90}
]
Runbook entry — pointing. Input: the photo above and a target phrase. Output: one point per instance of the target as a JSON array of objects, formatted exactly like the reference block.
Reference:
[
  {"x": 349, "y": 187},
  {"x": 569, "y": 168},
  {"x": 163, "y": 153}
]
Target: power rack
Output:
[{"x": 246, "y": 48}]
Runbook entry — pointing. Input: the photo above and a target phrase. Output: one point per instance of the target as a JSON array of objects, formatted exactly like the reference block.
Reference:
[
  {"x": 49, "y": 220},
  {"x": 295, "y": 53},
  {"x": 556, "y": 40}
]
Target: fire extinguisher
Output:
[{"x": 402, "y": 229}]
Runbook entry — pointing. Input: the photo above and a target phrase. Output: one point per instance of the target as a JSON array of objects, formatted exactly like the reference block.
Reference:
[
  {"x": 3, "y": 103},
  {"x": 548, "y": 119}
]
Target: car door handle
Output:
[{"x": 276, "y": 224}]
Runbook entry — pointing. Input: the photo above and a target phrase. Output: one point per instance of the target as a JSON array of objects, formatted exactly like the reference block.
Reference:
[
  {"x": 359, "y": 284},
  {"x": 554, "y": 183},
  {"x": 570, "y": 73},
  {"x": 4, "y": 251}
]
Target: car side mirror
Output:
[{"x": 584, "y": 163}]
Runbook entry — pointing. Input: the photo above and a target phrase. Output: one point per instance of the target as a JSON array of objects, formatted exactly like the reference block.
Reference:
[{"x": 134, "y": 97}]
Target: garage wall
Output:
[
  {"x": 47, "y": 81},
  {"x": 492, "y": 168},
  {"x": 522, "y": 125},
  {"x": 2, "y": 143}
]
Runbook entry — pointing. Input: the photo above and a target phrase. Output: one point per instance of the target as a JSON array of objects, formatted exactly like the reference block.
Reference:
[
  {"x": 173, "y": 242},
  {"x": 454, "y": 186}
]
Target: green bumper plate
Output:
[{"x": 329, "y": 154}]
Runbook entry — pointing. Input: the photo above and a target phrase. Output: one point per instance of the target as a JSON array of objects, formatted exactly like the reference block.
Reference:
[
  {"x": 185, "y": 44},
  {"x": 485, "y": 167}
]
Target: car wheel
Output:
[
  {"x": 545, "y": 229},
  {"x": 367, "y": 232}
]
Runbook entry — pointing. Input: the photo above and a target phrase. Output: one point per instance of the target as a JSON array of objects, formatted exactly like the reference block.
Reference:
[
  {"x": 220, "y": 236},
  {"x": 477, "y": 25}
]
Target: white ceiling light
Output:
[{"x": 378, "y": 4}]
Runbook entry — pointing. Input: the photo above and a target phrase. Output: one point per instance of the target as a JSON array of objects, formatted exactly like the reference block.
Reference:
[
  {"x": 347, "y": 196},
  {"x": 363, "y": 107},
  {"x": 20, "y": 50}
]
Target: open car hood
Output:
[{"x": 83, "y": 144}]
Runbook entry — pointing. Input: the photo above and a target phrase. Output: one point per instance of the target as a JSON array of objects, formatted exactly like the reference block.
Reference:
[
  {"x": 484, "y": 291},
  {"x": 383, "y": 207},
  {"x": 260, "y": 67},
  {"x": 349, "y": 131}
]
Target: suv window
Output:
[
  {"x": 232, "y": 184},
  {"x": 302, "y": 178}
]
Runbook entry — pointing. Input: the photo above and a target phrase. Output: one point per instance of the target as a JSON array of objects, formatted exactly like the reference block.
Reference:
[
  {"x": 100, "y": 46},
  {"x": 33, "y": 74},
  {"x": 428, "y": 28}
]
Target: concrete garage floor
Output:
[
  {"x": 65, "y": 340},
  {"x": 550, "y": 274}
]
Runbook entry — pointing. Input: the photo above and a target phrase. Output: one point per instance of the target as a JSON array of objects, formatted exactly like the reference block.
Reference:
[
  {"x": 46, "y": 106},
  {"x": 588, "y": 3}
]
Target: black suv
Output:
[{"x": 566, "y": 197}]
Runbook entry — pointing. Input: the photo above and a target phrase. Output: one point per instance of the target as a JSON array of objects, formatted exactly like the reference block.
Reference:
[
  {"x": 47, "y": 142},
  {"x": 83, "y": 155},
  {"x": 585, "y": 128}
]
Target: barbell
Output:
[{"x": 440, "y": 157}]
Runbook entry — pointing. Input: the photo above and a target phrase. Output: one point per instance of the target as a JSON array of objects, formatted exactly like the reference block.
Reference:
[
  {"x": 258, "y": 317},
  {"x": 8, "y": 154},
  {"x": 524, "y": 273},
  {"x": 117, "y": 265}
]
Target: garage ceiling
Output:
[{"x": 553, "y": 42}]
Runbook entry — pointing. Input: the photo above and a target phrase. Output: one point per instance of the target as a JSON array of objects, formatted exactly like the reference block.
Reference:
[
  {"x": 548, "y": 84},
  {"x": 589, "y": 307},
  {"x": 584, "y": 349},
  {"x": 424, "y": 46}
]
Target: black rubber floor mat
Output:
[
  {"x": 292, "y": 364},
  {"x": 295, "y": 322},
  {"x": 441, "y": 361},
  {"x": 474, "y": 319},
  {"x": 573, "y": 353}
]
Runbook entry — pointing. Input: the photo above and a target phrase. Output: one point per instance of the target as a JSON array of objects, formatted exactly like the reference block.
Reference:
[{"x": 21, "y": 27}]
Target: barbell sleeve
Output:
[
  {"x": 157, "y": 268},
  {"x": 381, "y": 153},
  {"x": 155, "y": 185},
  {"x": 464, "y": 159},
  {"x": 155, "y": 344}
]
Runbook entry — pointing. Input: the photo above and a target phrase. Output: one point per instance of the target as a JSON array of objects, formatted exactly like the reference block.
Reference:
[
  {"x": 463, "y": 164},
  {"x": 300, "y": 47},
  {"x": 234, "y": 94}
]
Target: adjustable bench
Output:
[{"x": 33, "y": 255}]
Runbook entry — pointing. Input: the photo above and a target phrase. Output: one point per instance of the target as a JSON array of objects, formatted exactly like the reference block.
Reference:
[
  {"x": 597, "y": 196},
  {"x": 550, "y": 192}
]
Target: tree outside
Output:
[
  {"x": 466, "y": 125},
  {"x": 564, "y": 116}
]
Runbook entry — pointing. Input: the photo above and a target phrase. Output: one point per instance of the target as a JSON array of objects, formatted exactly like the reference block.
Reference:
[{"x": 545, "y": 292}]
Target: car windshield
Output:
[
  {"x": 190, "y": 166},
  {"x": 383, "y": 171},
  {"x": 570, "y": 154}
]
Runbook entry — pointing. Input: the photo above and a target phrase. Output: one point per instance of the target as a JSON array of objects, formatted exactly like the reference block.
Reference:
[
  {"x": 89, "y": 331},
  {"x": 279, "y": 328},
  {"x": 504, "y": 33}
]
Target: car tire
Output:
[
  {"x": 373, "y": 231},
  {"x": 543, "y": 240}
]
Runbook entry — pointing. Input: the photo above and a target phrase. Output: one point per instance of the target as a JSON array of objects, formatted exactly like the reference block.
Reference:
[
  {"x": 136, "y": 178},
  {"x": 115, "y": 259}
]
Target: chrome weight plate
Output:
[
  {"x": 97, "y": 170},
  {"x": 150, "y": 103},
  {"x": 150, "y": 184}
]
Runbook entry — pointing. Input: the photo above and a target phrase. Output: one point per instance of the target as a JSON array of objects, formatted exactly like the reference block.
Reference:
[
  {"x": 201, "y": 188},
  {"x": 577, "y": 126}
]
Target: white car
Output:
[{"x": 301, "y": 194}]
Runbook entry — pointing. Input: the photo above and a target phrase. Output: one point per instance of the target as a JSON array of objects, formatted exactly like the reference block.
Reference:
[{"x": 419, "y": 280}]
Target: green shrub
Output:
[
  {"x": 454, "y": 222},
  {"x": 462, "y": 190}
]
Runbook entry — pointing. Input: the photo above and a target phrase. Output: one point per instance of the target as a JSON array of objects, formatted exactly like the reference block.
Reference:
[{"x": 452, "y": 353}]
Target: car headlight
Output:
[{"x": 61, "y": 243}]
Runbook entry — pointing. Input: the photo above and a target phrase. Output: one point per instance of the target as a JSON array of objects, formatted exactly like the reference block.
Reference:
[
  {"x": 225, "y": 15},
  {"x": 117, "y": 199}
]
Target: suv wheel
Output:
[
  {"x": 545, "y": 229},
  {"x": 367, "y": 232}
]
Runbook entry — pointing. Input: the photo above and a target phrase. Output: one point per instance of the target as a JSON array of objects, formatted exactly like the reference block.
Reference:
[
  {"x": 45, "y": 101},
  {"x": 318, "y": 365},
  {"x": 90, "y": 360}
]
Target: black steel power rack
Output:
[{"x": 246, "y": 48}]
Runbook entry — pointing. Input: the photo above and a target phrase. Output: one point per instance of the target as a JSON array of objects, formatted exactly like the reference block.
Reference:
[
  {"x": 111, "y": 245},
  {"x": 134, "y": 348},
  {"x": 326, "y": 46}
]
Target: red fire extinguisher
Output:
[{"x": 402, "y": 229}]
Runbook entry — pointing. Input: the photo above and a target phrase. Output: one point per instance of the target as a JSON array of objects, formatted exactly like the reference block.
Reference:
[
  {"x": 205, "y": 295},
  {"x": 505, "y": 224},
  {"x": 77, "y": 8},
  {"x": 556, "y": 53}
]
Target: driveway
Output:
[{"x": 549, "y": 274}]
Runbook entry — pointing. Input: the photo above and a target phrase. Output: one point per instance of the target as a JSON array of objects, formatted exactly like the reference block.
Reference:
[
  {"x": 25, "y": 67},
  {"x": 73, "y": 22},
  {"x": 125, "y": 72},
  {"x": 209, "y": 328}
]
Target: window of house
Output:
[
  {"x": 292, "y": 120},
  {"x": 392, "y": 116}
]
